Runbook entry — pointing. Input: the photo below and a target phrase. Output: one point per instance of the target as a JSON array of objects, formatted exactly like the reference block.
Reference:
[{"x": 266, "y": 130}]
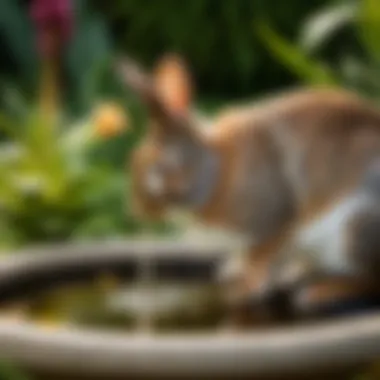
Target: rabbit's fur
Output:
[{"x": 287, "y": 173}]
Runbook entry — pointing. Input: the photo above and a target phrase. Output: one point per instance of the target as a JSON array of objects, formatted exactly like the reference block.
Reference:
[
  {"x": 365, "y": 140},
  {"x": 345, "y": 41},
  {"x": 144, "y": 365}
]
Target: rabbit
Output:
[{"x": 292, "y": 174}]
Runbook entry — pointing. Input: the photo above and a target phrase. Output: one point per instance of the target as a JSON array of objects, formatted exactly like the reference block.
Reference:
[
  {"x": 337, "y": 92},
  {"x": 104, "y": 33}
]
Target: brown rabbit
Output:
[{"x": 295, "y": 175}]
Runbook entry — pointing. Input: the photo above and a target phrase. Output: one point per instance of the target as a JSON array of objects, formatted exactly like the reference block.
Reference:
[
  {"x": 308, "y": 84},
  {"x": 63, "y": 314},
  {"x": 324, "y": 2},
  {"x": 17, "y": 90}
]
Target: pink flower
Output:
[{"x": 54, "y": 21}]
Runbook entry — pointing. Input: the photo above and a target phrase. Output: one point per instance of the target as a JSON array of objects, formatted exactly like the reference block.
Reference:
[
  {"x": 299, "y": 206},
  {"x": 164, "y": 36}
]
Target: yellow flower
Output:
[{"x": 109, "y": 120}]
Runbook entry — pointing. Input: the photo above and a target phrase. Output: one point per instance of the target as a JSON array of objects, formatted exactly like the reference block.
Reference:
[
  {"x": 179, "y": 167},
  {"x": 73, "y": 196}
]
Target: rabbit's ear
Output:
[
  {"x": 173, "y": 84},
  {"x": 142, "y": 84}
]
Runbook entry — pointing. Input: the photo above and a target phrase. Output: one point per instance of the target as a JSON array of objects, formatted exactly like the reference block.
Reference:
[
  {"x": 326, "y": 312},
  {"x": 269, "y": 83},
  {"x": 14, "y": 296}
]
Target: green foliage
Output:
[
  {"x": 17, "y": 39},
  {"x": 62, "y": 182},
  {"x": 368, "y": 27},
  {"x": 311, "y": 71},
  {"x": 45, "y": 179},
  {"x": 52, "y": 187},
  {"x": 216, "y": 37},
  {"x": 358, "y": 69},
  {"x": 326, "y": 23},
  {"x": 86, "y": 68}
]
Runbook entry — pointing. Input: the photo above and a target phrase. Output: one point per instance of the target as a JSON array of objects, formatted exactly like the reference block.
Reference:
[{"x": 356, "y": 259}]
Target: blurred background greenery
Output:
[{"x": 70, "y": 181}]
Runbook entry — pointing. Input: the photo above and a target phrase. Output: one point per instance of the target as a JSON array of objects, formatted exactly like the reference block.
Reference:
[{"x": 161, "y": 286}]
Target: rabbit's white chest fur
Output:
[{"x": 324, "y": 240}]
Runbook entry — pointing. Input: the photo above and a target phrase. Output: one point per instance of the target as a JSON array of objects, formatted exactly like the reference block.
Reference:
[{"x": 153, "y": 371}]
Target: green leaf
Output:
[
  {"x": 368, "y": 24},
  {"x": 9, "y": 127},
  {"x": 306, "y": 68},
  {"x": 16, "y": 28},
  {"x": 88, "y": 55},
  {"x": 323, "y": 25}
]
